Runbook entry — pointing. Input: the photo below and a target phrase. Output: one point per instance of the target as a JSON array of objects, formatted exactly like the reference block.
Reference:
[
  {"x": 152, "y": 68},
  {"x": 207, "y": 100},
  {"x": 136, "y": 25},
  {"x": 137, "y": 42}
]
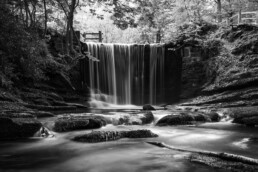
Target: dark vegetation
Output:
[{"x": 33, "y": 74}]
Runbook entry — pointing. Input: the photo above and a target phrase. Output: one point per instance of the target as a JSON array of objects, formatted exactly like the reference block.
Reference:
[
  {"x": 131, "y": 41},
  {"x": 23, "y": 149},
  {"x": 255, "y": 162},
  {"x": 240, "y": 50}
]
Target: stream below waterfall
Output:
[{"x": 59, "y": 153}]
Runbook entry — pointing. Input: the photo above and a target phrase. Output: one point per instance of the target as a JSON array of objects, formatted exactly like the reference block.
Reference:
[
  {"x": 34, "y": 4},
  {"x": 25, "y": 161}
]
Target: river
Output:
[{"x": 59, "y": 153}]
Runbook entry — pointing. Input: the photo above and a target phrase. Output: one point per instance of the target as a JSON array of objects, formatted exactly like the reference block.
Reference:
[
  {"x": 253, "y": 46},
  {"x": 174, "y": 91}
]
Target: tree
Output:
[
  {"x": 46, "y": 16},
  {"x": 219, "y": 10}
]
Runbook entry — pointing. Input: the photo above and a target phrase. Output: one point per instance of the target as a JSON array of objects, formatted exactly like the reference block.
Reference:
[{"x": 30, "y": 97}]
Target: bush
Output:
[{"x": 212, "y": 47}]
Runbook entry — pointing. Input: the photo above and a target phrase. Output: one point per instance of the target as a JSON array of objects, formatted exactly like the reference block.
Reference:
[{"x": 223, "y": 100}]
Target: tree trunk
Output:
[
  {"x": 27, "y": 15},
  {"x": 71, "y": 16},
  {"x": 67, "y": 37},
  {"x": 239, "y": 16},
  {"x": 239, "y": 12},
  {"x": 69, "y": 30},
  {"x": 46, "y": 17},
  {"x": 219, "y": 11}
]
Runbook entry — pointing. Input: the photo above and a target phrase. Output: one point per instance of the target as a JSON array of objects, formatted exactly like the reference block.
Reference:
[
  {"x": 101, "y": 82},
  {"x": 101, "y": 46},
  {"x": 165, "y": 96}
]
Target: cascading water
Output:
[{"x": 127, "y": 74}]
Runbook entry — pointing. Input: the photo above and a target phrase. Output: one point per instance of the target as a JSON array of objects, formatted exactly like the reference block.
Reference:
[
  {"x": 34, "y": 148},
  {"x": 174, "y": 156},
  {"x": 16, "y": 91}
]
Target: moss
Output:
[
  {"x": 102, "y": 136},
  {"x": 68, "y": 123},
  {"x": 183, "y": 119}
]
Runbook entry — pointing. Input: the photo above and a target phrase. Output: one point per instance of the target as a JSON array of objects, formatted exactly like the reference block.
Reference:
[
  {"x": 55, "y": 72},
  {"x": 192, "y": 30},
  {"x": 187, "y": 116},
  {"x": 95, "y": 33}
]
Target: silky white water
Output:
[{"x": 125, "y": 74}]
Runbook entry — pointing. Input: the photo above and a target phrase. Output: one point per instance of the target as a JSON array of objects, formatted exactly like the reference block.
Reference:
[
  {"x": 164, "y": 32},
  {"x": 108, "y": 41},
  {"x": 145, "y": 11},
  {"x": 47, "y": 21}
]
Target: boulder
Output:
[
  {"x": 148, "y": 107},
  {"x": 181, "y": 119},
  {"x": 248, "y": 121},
  {"x": 70, "y": 123},
  {"x": 12, "y": 128},
  {"x": 241, "y": 112},
  {"x": 214, "y": 116},
  {"x": 139, "y": 134},
  {"x": 133, "y": 118},
  {"x": 201, "y": 118},
  {"x": 103, "y": 136},
  {"x": 148, "y": 118}
]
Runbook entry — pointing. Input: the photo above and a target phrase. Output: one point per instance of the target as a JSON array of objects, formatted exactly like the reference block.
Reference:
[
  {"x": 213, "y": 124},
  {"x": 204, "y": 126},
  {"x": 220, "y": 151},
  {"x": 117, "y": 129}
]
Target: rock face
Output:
[
  {"x": 148, "y": 107},
  {"x": 70, "y": 123},
  {"x": 103, "y": 136},
  {"x": 11, "y": 128},
  {"x": 228, "y": 77}
]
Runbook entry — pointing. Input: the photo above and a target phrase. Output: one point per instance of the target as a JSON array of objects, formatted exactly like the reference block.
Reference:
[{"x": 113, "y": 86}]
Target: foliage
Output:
[{"x": 24, "y": 52}]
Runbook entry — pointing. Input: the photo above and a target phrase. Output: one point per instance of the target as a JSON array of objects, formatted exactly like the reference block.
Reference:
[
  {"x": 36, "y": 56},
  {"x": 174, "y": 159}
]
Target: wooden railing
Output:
[
  {"x": 244, "y": 18},
  {"x": 93, "y": 36}
]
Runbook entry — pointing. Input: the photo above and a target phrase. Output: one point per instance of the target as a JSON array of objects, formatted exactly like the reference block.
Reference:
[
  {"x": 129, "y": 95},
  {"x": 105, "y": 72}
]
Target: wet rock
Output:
[
  {"x": 11, "y": 128},
  {"x": 11, "y": 114},
  {"x": 44, "y": 132},
  {"x": 139, "y": 134},
  {"x": 222, "y": 163},
  {"x": 181, "y": 119},
  {"x": 148, "y": 118},
  {"x": 201, "y": 118},
  {"x": 241, "y": 112},
  {"x": 50, "y": 108},
  {"x": 133, "y": 118},
  {"x": 248, "y": 121},
  {"x": 70, "y": 123},
  {"x": 103, "y": 136},
  {"x": 254, "y": 139},
  {"x": 42, "y": 114},
  {"x": 214, "y": 116},
  {"x": 148, "y": 107},
  {"x": 26, "y": 114}
]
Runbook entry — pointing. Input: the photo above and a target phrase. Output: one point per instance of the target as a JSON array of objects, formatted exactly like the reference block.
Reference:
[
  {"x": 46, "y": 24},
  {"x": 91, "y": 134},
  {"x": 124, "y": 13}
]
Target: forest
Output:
[{"x": 128, "y": 85}]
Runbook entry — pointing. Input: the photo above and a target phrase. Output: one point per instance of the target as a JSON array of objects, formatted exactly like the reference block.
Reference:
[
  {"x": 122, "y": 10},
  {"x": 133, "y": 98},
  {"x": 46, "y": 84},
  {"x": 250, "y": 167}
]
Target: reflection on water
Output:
[{"x": 127, "y": 155}]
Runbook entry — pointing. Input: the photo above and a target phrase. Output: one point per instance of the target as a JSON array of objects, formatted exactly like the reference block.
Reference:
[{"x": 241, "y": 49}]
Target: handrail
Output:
[{"x": 243, "y": 18}]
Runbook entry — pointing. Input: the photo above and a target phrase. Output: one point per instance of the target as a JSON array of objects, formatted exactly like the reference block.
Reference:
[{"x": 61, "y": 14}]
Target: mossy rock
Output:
[
  {"x": 148, "y": 118},
  {"x": 248, "y": 121},
  {"x": 214, "y": 116},
  {"x": 103, "y": 136},
  {"x": 148, "y": 107},
  {"x": 201, "y": 118},
  {"x": 181, "y": 119},
  {"x": 70, "y": 123}
]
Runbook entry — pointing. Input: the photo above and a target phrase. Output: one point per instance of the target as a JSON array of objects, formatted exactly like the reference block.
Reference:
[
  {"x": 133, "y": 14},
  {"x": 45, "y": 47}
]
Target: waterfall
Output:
[{"x": 127, "y": 73}]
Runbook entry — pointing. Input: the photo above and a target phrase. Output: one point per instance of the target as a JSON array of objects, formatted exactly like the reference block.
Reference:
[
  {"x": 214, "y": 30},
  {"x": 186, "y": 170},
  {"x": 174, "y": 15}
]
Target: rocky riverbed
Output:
[{"x": 118, "y": 140}]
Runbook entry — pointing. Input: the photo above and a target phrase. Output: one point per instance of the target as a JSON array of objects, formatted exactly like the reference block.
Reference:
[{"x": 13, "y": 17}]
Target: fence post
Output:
[
  {"x": 158, "y": 37},
  {"x": 100, "y": 36},
  {"x": 239, "y": 17}
]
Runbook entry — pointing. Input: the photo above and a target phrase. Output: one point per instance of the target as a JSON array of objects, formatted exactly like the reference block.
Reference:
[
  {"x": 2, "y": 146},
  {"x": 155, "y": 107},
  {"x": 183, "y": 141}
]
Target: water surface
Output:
[{"x": 128, "y": 155}]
